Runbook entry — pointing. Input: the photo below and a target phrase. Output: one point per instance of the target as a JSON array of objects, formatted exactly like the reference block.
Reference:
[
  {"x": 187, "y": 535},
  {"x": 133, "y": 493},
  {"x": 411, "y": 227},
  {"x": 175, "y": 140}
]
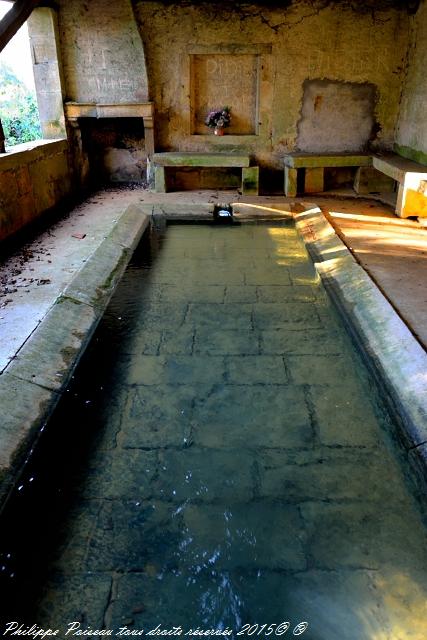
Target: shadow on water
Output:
[{"x": 31, "y": 523}]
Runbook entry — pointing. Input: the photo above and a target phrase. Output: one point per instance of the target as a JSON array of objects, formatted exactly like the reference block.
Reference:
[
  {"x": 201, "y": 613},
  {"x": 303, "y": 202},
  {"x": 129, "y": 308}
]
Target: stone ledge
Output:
[
  {"x": 29, "y": 152},
  {"x": 26, "y": 408},
  {"x": 32, "y": 384},
  {"x": 325, "y": 160},
  {"x": 397, "y": 359},
  {"x": 196, "y": 159}
]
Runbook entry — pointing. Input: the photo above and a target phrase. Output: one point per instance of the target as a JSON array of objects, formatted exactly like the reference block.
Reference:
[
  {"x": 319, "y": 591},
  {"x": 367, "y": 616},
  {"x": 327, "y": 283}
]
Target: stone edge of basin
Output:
[
  {"x": 397, "y": 359},
  {"x": 33, "y": 382}
]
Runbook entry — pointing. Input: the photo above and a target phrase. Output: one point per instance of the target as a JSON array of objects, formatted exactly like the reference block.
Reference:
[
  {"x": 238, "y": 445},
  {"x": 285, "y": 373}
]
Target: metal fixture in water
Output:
[{"x": 223, "y": 213}]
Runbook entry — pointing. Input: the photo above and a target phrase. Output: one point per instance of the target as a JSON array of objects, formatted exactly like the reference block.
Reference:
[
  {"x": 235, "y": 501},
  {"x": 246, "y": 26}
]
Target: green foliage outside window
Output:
[{"x": 18, "y": 109}]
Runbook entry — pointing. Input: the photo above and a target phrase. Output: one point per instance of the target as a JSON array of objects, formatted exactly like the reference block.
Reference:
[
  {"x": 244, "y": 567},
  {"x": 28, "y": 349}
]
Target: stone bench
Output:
[
  {"x": 161, "y": 161},
  {"x": 412, "y": 180},
  {"x": 314, "y": 165},
  {"x": 411, "y": 177}
]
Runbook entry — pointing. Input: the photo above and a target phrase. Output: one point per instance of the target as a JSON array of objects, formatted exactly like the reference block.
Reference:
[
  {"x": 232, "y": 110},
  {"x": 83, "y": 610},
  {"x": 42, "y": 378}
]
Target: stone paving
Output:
[{"x": 244, "y": 471}]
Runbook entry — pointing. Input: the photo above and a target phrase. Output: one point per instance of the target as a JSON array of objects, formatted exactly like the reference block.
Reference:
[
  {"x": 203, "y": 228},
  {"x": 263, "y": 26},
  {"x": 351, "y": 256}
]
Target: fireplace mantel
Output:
[{"x": 144, "y": 110}]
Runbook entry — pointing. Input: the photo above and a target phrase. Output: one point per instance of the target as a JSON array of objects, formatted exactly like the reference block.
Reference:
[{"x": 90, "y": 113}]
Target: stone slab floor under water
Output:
[{"x": 242, "y": 469}]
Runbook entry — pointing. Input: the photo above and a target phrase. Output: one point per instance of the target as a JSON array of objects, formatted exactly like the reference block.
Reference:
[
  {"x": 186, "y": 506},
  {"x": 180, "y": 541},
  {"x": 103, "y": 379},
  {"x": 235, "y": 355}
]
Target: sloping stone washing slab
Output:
[
  {"x": 33, "y": 382},
  {"x": 396, "y": 358}
]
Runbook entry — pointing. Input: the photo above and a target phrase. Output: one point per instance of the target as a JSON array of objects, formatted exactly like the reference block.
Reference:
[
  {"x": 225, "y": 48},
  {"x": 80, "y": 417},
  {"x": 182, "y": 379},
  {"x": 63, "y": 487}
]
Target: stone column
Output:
[{"x": 45, "y": 51}]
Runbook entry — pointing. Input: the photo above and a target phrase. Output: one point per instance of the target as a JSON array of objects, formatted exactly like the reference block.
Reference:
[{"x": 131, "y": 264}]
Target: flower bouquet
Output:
[{"x": 218, "y": 120}]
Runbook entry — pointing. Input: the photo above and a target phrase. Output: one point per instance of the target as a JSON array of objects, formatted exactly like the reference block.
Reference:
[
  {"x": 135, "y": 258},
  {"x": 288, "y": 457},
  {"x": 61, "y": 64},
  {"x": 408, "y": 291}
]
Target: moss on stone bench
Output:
[{"x": 250, "y": 175}]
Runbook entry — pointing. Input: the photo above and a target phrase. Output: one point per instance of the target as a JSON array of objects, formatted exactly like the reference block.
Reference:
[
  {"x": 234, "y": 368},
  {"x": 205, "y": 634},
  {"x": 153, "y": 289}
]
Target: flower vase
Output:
[{"x": 219, "y": 131}]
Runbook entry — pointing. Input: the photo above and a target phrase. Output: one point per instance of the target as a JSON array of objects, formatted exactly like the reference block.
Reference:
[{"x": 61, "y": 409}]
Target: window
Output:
[{"x": 18, "y": 103}]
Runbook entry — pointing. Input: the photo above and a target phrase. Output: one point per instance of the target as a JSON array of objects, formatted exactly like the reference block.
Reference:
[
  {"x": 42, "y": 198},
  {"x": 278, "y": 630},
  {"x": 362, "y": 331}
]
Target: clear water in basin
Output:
[{"x": 222, "y": 460}]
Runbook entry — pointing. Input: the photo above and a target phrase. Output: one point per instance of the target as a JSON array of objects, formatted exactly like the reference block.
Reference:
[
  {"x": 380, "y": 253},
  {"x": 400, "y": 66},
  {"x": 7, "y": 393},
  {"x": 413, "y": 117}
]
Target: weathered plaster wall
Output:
[
  {"x": 307, "y": 40},
  {"x": 33, "y": 178},
  {"x": 411, "y": 138},
  {"x": 323, "y": 127},
  {"x": 102, "y": 52}
]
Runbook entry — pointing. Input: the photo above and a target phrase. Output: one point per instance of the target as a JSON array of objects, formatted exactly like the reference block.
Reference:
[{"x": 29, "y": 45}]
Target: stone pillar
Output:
[
  {"x": 290, "y": 182},
  {"x": 149, "y": 148},
  {"x": 44, "y": 43},
  {"x": 160, "y": 179}
]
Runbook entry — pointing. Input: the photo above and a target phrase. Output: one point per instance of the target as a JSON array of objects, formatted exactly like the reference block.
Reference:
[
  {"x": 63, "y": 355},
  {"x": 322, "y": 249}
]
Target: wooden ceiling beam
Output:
[{"x": 19, "y": 12}]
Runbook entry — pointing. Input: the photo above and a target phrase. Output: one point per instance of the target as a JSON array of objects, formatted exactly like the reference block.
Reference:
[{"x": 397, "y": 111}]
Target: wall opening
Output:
[
  {"x": 19, "y": 112},
  {"x": 219, "y": 80},
  {"x": 116, "y": 149}
]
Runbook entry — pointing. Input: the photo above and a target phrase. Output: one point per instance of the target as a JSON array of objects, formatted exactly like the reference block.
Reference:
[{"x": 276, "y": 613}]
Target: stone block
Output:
[
  {"x": 150, "y": 538},
  {"x": 176, "y": 370},
  {"x": 250, "y": 181},
  {"x": 177, "y": 341},
  {"x": 282, "y": 315},
  {"x": 365, "y": 535},
  {"x": 326, "y": 369},
  {"x": 189, "y": 159},
  {"x": 329, "y": 474},
  {"x": 23, "y": 181},
  {"x": 237, "y": 293},
  {"x": 159, "y": 179},
  {"x": 215, "y": 316},
  {"x": 286, "y": 293},
  {"x": 368, "y": 180},
  {"x": 202, "y": 293},
  {"x": 268, "y": 275},
  {"x": 300, "y": 342},
  {"x": 48, "y": 358},
  {"x": 129, "y": 229},
  {"x": 140, "y": 597},
  {"x": 344, "y": 418},
  {"x": 245, "y": 416},
  {"x": 290, "y": 186},
  {"x": 256, "y": 369},
  {"x": 157, "y": 417},
  {"x": 314, "y": 180},
  {"x": 120, "y": 473},
  {"x": 215, "y": 341},
  {"x": 316, "y": 160},
  {"x": 25, "y": 407},
  {"x": 205, "y": 476},
  {"x": 95, "y": 282},
  {"x": 255, "y": 536},
  {"x": 82, "y": 597}
]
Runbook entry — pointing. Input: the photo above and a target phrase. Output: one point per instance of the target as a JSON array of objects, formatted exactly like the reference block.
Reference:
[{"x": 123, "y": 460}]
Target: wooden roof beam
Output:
[{"x": 19, "y": 12}]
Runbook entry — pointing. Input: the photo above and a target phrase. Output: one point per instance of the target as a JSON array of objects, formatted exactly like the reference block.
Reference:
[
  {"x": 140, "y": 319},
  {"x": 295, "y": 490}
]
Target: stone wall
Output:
[
  {"x": 285, "y": 47},
  {"x": 103, "y": 62},
  {"x": 411, "y": 139},
  {"x": 102, "y": 52},
  {"x": 33, "y": 178}
]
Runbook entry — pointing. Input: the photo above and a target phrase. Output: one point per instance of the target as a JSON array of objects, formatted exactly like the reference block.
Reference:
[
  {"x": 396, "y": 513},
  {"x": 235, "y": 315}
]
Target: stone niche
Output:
[
  {"x": 337, "y": 116},
  {"x": 225, "y": 79}
]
